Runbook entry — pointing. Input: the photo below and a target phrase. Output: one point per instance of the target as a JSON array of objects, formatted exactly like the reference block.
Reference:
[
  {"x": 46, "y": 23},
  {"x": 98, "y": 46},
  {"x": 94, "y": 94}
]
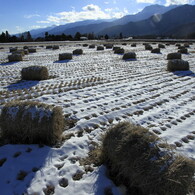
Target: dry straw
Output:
[
  {"x": 31, "y": 123},
  {"x": 135, "y": 158},
  {"x": 35, "y": 73},
  {"x": 177, "y": 65}
]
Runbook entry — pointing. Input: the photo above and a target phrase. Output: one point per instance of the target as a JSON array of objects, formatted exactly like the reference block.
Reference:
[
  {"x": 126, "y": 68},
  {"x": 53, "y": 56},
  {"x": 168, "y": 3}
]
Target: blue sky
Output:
[{"x": 23, "y": 15}]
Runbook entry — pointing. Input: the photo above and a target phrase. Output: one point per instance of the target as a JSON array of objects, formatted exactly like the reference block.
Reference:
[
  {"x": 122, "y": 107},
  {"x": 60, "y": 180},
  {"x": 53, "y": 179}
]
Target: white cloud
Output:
[
  {"x": 106, "y": 2},
  {"x": 31, "y": 16},
  {"x": 35, "y": 27},
  {"x": 43, "y": 22},
  {"x": 89, "y": 12},
  {"x": 146, "y": 1},
  {"x": 177, "y": 2}
]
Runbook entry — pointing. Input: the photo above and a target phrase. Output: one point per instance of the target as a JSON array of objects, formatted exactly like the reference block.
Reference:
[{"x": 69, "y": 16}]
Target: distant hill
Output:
[
  {"x": 95, "y": 26},
  {"x": 158, "y": 24}
]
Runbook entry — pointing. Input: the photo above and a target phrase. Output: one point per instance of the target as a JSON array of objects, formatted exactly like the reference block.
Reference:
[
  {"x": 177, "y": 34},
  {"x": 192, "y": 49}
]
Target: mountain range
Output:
[{"x": 152, "y": 20}]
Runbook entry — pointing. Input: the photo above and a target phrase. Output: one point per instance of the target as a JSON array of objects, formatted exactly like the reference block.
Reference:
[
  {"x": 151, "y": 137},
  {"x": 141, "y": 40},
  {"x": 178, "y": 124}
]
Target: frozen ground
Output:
[{"x": 96, "y": 89}]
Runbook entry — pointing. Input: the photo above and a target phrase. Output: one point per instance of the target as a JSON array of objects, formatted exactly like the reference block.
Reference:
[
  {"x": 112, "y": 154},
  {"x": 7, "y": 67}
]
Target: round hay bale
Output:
[
  {"x": 65, "y": 56},
  {"x": 15, "y": 57},
  {"x": 25, "y": 47},
  {"x": 77, "y": 52},
  {"x": 177, "y": 65},
  {"x": 124, "y": 43},
  {"x": 172, "y": 56},
  {"x": 100, "y": 48},
  {"x": 184, "y": 51},
  {"x": 31, "y": 123},
  {"x": 85, "y": 45},
  {"x": 115, "y": 48},
  {"x": 136, "y": 159},
  {"x": 161, "y": 46},
  {"x": 133, "y": 45},
  {"x": 35, "y": 73},
  {"x": 91, "y": 46},
  {"x": 130, "y": 55},
  {"x": 32, "y": 50},
  {"x": 186, "y": 45},
  {"x": 21, "y": 51},
  {"x": 49, "y": 47},
  {"x": 109, "y": 46},
  {"x": 119, "y": 51},
  {"x": 148, "y": 47},
  {"x": 13, "y": 49},
  {"x": 181, "y": 47},
  {"x": 55, "y": 47},
  {"x": 156, "y": 50},
  {"x": 177, "y": 44}
]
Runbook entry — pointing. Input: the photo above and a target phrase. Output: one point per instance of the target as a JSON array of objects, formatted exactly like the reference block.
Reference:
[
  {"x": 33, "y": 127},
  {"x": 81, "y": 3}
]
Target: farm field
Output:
[{"x": 95, "y": 90}]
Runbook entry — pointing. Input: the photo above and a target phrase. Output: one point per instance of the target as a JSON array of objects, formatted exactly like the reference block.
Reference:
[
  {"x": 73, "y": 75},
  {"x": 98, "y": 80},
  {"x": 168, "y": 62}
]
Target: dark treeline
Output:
[{"x": 26, "y": 37}]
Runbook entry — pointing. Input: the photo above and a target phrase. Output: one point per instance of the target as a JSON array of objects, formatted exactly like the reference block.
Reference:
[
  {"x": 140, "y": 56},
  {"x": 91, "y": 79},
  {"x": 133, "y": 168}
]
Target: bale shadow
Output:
[
  {"x": 184, "y": 73},
  {"x": 8, "y": 63},
  {"x": 22, "y": 84},
  {"x": 62, "y": 61}
]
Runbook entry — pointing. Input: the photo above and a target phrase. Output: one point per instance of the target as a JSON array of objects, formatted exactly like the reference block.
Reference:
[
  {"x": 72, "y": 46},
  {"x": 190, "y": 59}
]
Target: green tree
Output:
[{"x": 77, "y": 36}]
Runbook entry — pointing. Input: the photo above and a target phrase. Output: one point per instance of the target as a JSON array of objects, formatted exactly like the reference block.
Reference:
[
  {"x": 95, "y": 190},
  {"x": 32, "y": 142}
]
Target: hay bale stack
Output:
[
  {"x": 77, "y": 52},
  {"x": 184, "y": 51},
  {"x": 31, "y": 123},
  {"x": 130, "y": 55},
  {"x": 65, "y": 56},
  {"x": 15, "y": 57},
  {"x": 32, "y": 50},
  {"x": 172, "y": 56},
  {"x": 35, "y": 73},
  {"x": 109, "y": 46},
  {"x": 156, "y": 50},
  {"x": 49, "y": 47},
  {"x": 161, "y": 46},
  {"x": 148, "y": 47},
  {"x": 119, "y": 51},
  {"x": 133, "y": 45},
  {"x": 135, "y": 158},
  {"x": 100, "y": 48},
  {"x": 55, "y": 47},
  {"x": 91, "y": 46},
  {"x": 13, "y": 49},
  {"x": 177, "y": 65}
]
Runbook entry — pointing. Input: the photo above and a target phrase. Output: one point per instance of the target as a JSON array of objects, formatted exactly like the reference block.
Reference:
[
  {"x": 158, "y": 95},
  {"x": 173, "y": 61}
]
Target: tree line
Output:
[{"x": 26, "y": 37}]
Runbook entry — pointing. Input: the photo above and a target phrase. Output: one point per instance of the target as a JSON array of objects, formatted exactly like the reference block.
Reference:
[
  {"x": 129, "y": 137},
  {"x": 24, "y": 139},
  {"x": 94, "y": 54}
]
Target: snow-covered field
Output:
[{"x": 95, "y": 90}]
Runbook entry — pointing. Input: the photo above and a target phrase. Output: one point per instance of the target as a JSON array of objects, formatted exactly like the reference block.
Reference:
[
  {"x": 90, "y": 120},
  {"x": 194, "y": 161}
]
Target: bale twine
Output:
[
  {"x": 148, "y": 47},
  {"x": 119, "y": 51},
  {"x": 55, "y": 47},
  {"x": 156, "y": 50},
  {"x": 91, "y": 46},
  {"x": 35, "y": 73},
  {"x": 130, "y": 55},
  {"x": 161, "y": 46},
  {"x": 100, "y": 48},
  {"x": 139, "y": 160},
  {"x": 184, "y": 51},
  {"x": 177, "y": 65},
  {"x": 65, "y": 56},
  {"x": 15, "y": 57},
  {"x": 31, "y": 123},
  {"x": 172, "y": 56},
  {"x": 77, "y": 52}
]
